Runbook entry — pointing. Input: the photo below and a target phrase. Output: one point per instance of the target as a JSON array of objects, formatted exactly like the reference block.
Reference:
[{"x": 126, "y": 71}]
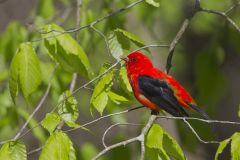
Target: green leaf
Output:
[
  {"x": 68, "y": 109},
  {"x": 100, "y": 102},
  {"x": 99, "y": 97},
  {"x": 130, "y": 36},
  {"x": 235, "y": 146},
  {"x": 172, "y": 148},
  {"x": 58, "y": 146},
  {"x": 25, "y": 70},
  {"x": 66, "y": 51},
  {"x": 4, "y": 152},
  {"x": 45, "y": 8},
  {"x": 14, "y": 77},
  {"x": 13, "y": 151},
  {"x": 114, "y": 45},
  {"x": 51, "y": 121},
  {"x": 221, "y": 147},
  {"x": 116, "y": 98},
  {"x": 166, "y": 147},
  {"x": 154, "y": 137},
  {"x": 124, "y": 79},
  {"x": 154, "y": 3}
]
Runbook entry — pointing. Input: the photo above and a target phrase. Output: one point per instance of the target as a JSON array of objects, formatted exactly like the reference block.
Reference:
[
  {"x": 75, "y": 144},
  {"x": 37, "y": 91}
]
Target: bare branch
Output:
[
  {"x": 198, "y": 137},
  {"x": 89, "y": 123},
  {"x": 104, "y": 37},
  {"x": 114, "y": 125},
  {"x": 222, "y": 14},
  {"x": 199, "y": 119},
  {"x": 91, "y": 24},
  {"x": 40, "y": 104},
  {"x": 140, "y": 138}
]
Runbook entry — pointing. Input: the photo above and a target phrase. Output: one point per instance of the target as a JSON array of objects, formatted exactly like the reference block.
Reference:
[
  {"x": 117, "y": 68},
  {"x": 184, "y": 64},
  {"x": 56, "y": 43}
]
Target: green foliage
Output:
[
  {"x": 235, "y": 146},
  {"x": 66, "y": 51},
  {"x": 25, "y": 71},
  {"x": 154, "y": 3},
  {"x": 99, "y": 97},
  {"x": 119, "y": 40},
  {"x": 51, "y": 121},
  {"x": 160, "y": 145},
  {"x": 68, "y": 109},
  {"x": 10, "y": 40},
  {"x": 58, "y": 146},
  {"x": 13, "y": 151}
]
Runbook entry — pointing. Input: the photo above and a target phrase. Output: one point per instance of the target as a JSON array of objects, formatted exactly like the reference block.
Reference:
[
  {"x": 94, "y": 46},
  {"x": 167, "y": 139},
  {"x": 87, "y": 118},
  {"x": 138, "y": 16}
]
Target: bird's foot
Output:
[{"x": 154, "y": 112}]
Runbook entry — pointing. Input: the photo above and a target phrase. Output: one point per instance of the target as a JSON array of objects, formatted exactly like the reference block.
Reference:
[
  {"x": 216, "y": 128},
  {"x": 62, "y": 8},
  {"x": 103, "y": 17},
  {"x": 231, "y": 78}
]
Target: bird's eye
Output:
[{"x": 134, "y": 60}]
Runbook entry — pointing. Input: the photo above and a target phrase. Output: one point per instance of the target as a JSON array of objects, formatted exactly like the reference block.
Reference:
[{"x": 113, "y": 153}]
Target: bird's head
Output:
[{"x": 137, "y": 62}]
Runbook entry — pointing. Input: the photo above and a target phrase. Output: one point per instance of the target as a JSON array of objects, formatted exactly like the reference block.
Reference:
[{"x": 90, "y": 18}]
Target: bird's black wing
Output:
[{"x": 161, "y": 94}]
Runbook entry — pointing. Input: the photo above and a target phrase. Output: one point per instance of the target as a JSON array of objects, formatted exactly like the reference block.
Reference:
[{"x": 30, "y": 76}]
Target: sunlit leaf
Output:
[
  {"x": 154, "y": 3},
  {"x": 154, "y": 137},
  {"x": 124, "y": 79},
  {"x": 68, "y": 109},
  {"x": 51, "y": 121},
  {"x": 57, "y": 147},
  {"x": 13, "y": 151},
  {"x": 14, "y": 77},
  {"x": 172, "y": 148},
  {"x": 114, "y": 45},
  {"x": 235, "y": 146},
  {"x": 221, "y": 147},
  {"x": 116, "y": 98},
  {"x": 165, "y": 146},
  {"x": 99, "y": 97},
  {"x": 129, "y": 36},
  {"x": 66, "y": 51},
  {"x": 25, "y": 70}
]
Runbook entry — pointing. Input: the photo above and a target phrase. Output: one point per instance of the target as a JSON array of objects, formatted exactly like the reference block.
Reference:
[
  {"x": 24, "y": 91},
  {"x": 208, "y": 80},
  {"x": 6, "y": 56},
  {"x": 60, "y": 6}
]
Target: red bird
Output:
[{"x": 157, "y": 90}]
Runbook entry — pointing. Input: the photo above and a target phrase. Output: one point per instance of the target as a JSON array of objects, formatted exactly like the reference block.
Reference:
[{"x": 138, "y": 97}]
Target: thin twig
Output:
[
  {"x": 35, "y": 150},
  {"x": 199, "y": 119},
  {"x": 114, "y": 125},
  {"x": 103, "y": 117},
  {"x": 151, "y": 46},
  {"x": 222, "y": 14},
  {"x": 179, "y": 35},
  {"x": 104, "y": 37},
  {"x": 90, "y": 24},
  {"x": 196, "y": 134},
  {"x": 232, "y": 8},
  {"x": 91, "y": 122},
  {"x": 40, "y": 104},
  {"x": 140, "y": 138}
]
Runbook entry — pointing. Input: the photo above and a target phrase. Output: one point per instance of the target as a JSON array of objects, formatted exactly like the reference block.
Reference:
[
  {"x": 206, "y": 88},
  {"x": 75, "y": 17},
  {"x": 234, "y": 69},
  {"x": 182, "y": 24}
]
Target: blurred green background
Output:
[{"x": 206, "y": 62}]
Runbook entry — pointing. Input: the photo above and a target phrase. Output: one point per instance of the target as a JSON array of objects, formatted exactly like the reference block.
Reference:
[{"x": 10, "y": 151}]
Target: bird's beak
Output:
[{"x": 124, "y": 58}]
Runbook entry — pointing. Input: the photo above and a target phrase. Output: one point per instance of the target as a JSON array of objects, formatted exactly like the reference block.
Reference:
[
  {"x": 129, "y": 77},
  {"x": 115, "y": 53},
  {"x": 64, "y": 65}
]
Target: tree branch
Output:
[
  {"x": 140, "y": 138},
  {"x": 40, "y": 104},
  {"x": 91, "y": 24},
  {"x": 222, "y": 14}
]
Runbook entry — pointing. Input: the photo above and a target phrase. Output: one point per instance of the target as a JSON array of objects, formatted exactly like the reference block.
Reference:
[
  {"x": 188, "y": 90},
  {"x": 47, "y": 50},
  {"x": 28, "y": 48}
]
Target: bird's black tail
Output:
[{"x": 200, "y": 111}]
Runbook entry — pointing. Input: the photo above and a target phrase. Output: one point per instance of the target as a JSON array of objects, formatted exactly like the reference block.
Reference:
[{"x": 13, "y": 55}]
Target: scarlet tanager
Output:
[{"x": 157, "y": 90}]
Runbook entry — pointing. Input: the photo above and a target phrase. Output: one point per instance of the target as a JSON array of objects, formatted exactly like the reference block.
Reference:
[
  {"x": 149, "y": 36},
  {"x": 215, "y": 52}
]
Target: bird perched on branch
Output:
[{"x": 157, "y": 90}]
